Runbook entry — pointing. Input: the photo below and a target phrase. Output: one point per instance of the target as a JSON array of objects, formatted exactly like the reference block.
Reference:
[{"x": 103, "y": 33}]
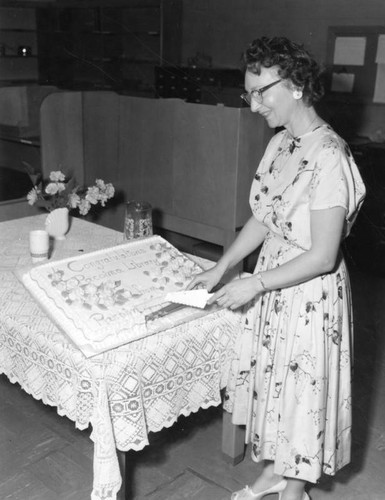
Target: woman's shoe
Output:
[{"x": 248, "y": 494}]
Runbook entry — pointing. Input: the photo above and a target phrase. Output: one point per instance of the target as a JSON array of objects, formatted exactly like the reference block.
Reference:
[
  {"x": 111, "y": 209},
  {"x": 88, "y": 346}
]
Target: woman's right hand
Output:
[{"x": 208, "y": 279}]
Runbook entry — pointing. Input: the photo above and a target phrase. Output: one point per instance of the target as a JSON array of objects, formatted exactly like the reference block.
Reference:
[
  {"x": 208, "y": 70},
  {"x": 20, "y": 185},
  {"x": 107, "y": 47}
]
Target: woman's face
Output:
[{"x": 278, "y": 104}]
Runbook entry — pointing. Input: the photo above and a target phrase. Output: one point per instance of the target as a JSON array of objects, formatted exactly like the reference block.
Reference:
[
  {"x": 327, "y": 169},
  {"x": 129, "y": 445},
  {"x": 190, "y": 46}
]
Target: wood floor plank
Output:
[
  {"x": 189, "y": 486},
  {"x": 43, "y": 456},
  {"x": 24, "y": 486},
  {"x": 60, "y": 473}
]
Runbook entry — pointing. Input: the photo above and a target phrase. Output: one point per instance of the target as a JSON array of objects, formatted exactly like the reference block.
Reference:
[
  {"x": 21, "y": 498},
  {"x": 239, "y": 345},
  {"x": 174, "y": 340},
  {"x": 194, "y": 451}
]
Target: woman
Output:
[{"x": 290, "y": 378}]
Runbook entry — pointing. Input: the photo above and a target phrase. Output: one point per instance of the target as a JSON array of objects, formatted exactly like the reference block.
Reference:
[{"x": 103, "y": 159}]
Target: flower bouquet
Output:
[
  {"x": 58, "y": 192},
  {"x": 58, "y": 195}
]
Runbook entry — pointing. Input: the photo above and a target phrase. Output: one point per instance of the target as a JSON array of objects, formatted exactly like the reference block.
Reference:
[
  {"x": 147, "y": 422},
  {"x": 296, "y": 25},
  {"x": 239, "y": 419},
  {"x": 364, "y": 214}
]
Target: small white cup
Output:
[{"x": 38, "y": 245}]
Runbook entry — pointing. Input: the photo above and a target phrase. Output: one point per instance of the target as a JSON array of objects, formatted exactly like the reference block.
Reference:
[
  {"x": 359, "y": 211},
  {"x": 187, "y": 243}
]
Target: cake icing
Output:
[{"x": 101, "y": 299}]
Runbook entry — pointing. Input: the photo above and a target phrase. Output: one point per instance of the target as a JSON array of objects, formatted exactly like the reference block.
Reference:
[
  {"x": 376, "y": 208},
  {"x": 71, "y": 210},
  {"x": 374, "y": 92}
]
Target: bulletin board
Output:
[{"x": 356, "y": 61}]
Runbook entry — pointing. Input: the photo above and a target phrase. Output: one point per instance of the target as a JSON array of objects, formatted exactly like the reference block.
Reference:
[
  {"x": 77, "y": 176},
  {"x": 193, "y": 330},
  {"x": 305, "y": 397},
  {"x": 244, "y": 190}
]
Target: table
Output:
[{"x": 124, "y": 393}]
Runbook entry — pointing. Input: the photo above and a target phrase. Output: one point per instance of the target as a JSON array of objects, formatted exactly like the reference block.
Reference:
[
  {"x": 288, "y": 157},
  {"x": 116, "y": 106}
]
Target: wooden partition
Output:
[
  {"x": 61, "y": 134},
  {"x": 15, "y": 209},
  {"x": 194, "y": 163}
]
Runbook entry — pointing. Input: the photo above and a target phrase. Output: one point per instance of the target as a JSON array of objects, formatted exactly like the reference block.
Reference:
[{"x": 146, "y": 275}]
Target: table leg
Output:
[
  {"x": 122, "y": 466},
  {"x": 126, "y": 465},
  {"x": 233, "y": 440}
]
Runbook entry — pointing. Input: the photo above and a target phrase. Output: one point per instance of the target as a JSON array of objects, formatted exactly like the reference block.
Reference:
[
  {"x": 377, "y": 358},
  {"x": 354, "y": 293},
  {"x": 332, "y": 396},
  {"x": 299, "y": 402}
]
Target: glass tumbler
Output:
[{"x": 138, "y": 220}]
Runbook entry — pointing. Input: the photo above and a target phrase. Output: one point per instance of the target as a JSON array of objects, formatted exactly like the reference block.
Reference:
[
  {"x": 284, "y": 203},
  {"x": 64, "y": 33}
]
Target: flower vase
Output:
[{"x": 57, "y": 223}]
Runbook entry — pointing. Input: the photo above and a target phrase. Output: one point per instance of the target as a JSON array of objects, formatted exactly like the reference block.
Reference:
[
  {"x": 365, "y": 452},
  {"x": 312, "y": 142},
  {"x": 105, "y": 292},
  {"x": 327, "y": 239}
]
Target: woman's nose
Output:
[{"x": 254, "y": 105}]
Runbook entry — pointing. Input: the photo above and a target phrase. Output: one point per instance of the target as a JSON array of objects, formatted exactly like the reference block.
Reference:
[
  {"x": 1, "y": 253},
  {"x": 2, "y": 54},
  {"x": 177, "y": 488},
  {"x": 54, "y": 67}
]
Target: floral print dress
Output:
[{"x": 290, "y": 378}]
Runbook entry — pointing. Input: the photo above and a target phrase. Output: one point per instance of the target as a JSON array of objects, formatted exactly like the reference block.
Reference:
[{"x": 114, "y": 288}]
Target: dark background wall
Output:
[{"x": 222, "y": 28}]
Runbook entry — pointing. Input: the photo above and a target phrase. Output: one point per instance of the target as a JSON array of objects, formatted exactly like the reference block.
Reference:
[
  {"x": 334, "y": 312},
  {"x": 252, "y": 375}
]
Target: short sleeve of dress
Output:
[
  {"x": 329, "y": 187},
  {"x": 337, "y": 182}
]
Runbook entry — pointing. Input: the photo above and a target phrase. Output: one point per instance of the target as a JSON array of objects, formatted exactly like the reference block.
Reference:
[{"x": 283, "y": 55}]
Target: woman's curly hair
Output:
[{"x": 293, "y": 61}]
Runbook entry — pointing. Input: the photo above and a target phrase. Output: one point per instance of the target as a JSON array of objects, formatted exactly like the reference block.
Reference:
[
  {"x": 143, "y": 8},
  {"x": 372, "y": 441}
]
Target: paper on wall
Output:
[
  {"x": 379, "y": 88},
  {"x": 380, "y": 56},
  {"x": 350, "y": 50}
]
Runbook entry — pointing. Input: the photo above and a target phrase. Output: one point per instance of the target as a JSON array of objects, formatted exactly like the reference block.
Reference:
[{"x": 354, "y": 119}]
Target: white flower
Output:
[
  {"x": 54, "y": 188},
  {"x": 84, "y": 207},
  {"x": 73, "y": 200},
  {"x": 92, "y": 195},
  {"x": 57, "y": 176},
  {"x": 33, "y": 195},
  {"x": 110, "y": 190},
  {"x": 103, "y": 199}
]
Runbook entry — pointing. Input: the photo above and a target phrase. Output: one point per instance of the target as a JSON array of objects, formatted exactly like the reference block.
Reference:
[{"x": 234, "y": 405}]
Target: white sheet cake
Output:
[{"x": 101, "y": 299}]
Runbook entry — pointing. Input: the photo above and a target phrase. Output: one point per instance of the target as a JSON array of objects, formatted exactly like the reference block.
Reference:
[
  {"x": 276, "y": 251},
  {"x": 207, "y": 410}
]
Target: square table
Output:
[{"x": 124, "y": 393}]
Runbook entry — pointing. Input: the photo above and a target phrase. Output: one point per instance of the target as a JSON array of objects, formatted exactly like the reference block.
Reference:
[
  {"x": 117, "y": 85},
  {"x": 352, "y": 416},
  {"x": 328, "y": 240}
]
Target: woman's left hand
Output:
[{"x": 236, "y": 293}]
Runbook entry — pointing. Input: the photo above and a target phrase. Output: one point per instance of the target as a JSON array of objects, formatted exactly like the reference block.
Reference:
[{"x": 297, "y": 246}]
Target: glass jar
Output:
[{"x": 138, "y": 220}]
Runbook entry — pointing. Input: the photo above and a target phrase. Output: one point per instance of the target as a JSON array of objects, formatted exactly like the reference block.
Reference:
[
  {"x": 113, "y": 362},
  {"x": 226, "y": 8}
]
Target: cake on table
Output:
[{"x": 111, "y": 297}]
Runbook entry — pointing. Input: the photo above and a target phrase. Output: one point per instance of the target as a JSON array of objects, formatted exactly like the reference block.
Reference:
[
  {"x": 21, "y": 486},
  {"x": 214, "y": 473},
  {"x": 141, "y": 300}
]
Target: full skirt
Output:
[{"x": 290, "y": 378}]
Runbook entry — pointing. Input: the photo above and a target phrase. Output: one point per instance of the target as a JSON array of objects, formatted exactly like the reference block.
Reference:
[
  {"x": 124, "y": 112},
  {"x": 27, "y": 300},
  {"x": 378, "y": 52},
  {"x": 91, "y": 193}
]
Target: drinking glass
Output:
[
  {"x": 38, "y": 245},
  {"x": 138, "y": 220}
]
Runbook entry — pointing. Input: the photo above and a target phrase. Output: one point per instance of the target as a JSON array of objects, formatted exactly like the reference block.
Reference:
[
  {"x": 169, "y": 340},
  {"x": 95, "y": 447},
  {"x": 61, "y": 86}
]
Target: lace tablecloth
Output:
[{"x": 124, "y": 393}]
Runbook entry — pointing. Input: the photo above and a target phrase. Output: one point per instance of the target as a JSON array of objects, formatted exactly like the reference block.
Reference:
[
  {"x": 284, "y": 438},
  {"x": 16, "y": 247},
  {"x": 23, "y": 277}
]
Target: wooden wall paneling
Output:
[
  {"x": 158, "y": 152},
  {"x": 217, "y": 150},
  {"x": 101, "y": 152},
  {"x": 254, "y": 135},
  {"x": 101, "y": 136},
  {"x": 61, "y": 125},
  {"x": 205, "y": 162},
  {"x": 193, "y": 163},
  {"x": 146, "y": 149},
  {"x": 131, "y": 137}
]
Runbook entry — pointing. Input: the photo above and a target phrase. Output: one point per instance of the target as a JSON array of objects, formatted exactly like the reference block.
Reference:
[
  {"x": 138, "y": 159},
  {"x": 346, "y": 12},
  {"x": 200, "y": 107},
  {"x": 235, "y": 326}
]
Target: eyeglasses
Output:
[{"x": 257, "y": 94}]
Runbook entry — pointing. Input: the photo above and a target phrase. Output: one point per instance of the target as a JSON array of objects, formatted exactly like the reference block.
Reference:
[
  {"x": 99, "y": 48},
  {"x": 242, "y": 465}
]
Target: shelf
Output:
[
  {"x": 28, "y": 141},
  {"x": 104, "y": 45},
  {"x": 6, "y": 82},
  {"x": 14, "y": 30},
  {"x": 18, "y": 57},
  {"x": 18, "y": 30},
  {"x": 119, "y": 34}
]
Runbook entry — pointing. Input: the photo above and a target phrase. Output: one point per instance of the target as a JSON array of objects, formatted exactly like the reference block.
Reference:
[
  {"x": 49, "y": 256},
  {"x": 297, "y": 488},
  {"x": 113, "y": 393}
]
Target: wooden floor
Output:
[{"x": 43, "y": 456}]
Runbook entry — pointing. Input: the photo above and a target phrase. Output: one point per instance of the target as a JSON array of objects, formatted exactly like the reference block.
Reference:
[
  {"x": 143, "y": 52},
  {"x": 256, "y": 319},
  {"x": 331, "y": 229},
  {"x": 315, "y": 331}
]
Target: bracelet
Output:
[{"x": 260, "y": 279}]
